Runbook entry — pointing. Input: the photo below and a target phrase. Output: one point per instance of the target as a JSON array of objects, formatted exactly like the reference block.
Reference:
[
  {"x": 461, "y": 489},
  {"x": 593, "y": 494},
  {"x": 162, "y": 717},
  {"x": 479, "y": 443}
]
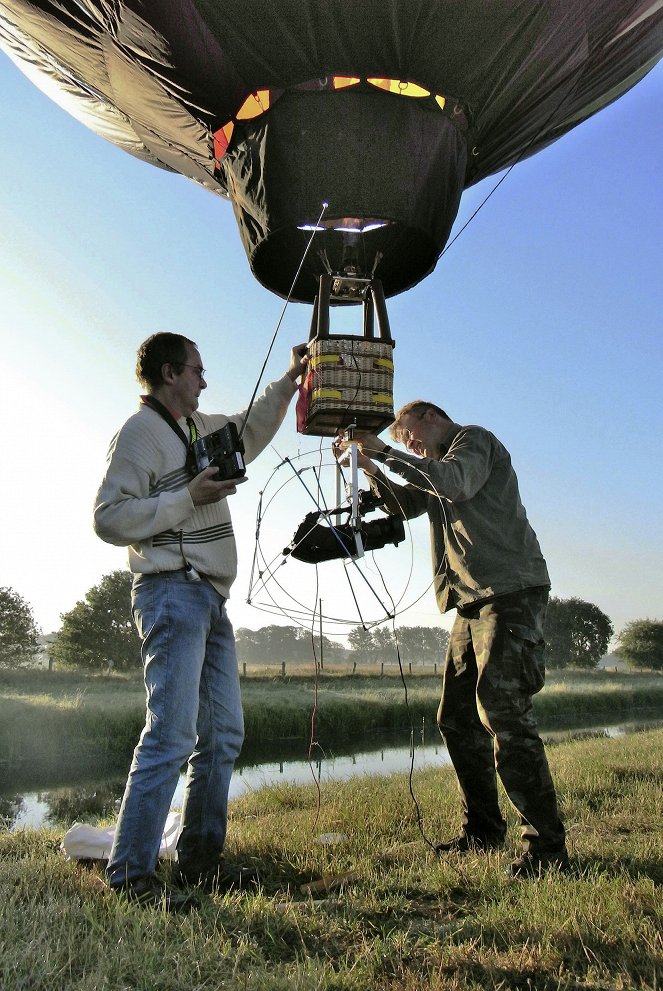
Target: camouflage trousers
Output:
[{"x": 494, "y": 666}]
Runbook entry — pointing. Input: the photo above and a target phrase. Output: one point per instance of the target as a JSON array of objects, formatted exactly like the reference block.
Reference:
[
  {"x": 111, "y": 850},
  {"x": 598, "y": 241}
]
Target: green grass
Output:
[
  {"x": 403, "y": 921},
  {"x": 60, "y": 715}
]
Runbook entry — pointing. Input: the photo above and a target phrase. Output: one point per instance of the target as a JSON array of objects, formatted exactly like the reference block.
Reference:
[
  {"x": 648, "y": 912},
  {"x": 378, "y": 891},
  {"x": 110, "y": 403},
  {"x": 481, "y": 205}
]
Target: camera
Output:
[
  {"x": 314, "y": 542},
  {"x": 222, "y": 449}
]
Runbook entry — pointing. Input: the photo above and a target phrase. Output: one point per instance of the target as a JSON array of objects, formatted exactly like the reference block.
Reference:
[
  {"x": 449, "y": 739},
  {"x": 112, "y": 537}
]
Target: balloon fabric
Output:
[{"x": 386, "y": 110}]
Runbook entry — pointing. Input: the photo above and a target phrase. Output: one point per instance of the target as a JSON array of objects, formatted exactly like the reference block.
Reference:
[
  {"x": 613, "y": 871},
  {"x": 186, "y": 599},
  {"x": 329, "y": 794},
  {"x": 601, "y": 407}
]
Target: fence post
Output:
[
  {"x": 244, "y": 669},
  {"x": 354, "y": 666},
  {"x": 283, "y": 669}
]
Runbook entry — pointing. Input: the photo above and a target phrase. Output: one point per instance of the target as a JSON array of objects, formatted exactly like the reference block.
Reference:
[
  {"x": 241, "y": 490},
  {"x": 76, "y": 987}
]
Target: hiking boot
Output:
[
  {"x": 222, "y": 877},
  {"x": 533, "y": 865},
  {"x": 150, "y": 892},
  {"x": 468, "y": 843}
]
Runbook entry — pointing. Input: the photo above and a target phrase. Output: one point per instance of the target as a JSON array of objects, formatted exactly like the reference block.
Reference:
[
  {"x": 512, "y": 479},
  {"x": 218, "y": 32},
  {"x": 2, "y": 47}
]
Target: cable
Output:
[
  {"x": 317, "y": 497},
  {"x": 415, "y": 802},
  {"x": 294, "y": 608},
  {"x": 518, "y": 159},
  {"x": 280, "y": 320},
  {"x": 314, "y": 710}
]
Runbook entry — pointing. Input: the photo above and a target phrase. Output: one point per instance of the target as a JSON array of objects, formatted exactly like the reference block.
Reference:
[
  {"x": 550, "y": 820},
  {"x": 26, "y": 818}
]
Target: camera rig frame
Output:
[{"x": 315, "y": 541}]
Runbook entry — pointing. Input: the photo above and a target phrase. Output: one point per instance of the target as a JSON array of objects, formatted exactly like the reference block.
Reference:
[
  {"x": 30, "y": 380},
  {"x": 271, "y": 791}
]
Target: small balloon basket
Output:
[{"x": 350, "y": 379}]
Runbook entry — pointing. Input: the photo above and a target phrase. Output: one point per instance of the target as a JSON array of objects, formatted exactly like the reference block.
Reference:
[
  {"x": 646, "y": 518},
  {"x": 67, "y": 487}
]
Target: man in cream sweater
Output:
[{"x": 182, "y": 552}]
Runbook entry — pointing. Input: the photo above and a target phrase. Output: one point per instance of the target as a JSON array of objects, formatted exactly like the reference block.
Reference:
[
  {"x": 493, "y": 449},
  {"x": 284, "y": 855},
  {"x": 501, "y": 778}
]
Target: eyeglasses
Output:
[
  {"x": 405, "y": 432},
  {"x": 198, "y": 369}
]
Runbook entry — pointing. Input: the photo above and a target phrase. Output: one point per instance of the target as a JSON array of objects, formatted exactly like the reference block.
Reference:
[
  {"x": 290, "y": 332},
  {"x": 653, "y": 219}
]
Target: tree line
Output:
[{"x": 99, "y": 634}]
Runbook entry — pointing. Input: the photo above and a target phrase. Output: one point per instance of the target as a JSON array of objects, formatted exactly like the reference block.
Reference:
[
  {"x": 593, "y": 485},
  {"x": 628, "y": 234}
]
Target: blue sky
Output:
[{"x": 543, "y": 322}]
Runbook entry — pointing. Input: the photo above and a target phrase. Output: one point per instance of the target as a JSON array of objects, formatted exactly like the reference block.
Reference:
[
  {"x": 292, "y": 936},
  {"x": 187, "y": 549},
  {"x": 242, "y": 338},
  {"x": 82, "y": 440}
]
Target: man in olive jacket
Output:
[{"x": 488, "y": 566}]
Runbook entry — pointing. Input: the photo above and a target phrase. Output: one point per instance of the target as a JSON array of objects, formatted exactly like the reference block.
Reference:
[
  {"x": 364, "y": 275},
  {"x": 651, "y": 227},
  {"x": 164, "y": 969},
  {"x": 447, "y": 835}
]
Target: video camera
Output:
[
  {"x": 314, "y": 542},
  {"x": 222, "y": 449}
]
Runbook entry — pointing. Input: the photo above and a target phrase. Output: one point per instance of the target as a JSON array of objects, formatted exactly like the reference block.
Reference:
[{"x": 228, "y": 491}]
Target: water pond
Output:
[{"x": 32, "y": 797}]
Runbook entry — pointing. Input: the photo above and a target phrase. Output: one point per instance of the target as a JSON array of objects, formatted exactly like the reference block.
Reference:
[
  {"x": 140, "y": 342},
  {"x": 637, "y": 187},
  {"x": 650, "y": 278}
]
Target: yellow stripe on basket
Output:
[
  {"x": 381, "y": 397},
  {"x": 326, "y": 394},
  {"x": 383, "y": 363},
  {"x": 326, "y": 358}
]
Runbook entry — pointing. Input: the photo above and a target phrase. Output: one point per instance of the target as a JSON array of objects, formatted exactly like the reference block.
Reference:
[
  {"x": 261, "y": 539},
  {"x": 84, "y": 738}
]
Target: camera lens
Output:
[{"x": 377, "y": 533}]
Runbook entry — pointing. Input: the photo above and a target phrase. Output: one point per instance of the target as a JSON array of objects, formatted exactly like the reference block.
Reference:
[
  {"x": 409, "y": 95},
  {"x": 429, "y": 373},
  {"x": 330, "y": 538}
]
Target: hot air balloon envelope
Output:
[{"x": 384, "y": 109}]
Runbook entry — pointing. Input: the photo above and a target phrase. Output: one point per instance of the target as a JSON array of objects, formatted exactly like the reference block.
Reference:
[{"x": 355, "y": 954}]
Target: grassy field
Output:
[
  {"x": 60, "y": 714},
  {"x": 384, "y": 913},
  {"x": 46, "y": 713}
]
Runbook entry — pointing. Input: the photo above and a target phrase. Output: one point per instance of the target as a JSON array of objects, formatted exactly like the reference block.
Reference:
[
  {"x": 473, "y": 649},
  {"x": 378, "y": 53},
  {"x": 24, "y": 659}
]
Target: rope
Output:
[{"x": 280, "y": 319}]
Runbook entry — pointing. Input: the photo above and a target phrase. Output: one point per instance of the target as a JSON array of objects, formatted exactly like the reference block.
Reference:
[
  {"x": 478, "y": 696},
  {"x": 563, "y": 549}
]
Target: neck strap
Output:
[{"x": 165, "y": 413}]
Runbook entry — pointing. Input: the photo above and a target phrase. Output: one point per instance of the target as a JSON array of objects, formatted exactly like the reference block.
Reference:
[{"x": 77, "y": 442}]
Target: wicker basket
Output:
[{"x": 350, "y": 380}]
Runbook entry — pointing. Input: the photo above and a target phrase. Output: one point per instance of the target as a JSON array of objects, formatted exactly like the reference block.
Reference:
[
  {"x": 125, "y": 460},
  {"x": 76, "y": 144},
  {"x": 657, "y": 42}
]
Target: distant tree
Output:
[
  {"x": 362, "y": 643},
  {"x": 274, "y": 644},
  {"x": 384, "y": 643},
  {"x": 18, "y": 631},
  {"x": 423, "y": 643},
  {"x": 99, "y": 632},
  {"x": 640, "y": 643},
  {"x": 416, "y": 644},
  {"x": 577, "y": 633},
  {"x": 442, "y": 638}
]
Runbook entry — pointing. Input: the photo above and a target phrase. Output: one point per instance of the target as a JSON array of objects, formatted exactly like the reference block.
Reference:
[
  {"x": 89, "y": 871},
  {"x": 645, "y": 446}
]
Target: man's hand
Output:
[
  {"x": 298, "y": 361},
  {"x": 369, "y": 443},
  {"x": 365, "y": 443},
  {"x": 204, "y": 489}
]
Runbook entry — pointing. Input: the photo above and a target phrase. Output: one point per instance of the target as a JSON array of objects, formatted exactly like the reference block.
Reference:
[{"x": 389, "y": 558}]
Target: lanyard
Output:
[{"x": 165, "y": 413}]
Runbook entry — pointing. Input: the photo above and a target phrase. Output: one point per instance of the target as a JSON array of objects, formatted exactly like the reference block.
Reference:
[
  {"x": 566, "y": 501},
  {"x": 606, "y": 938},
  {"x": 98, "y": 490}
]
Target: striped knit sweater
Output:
[{"x": 144, "y": 504}]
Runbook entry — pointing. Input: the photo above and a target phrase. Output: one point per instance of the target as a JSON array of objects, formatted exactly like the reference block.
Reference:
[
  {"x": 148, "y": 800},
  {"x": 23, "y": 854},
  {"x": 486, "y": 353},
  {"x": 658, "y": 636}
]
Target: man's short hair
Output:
[
  {"x": 416, "y": 408},
  {"x": 158, "y": 350}
]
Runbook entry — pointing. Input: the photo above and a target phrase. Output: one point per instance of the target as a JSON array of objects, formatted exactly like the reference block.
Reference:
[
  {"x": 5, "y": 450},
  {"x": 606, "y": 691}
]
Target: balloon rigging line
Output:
[
  {"x": 415, "y": 801},
  {"x": 257, "y": 538},
  {"x": 280, "y": 319},
  {"x": 518, "y": 159}
]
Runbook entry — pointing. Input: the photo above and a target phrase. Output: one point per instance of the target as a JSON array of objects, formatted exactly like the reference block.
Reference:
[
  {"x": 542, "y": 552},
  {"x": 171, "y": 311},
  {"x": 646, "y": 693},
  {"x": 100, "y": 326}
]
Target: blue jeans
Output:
[{"x": 194, "y": 717}]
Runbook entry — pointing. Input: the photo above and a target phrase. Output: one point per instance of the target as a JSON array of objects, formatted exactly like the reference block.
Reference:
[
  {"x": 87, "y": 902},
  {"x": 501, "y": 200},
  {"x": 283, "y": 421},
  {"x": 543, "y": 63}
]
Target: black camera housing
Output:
[
  {"x": 222, "y": 449},
  {"x": 314, "y": 542}
]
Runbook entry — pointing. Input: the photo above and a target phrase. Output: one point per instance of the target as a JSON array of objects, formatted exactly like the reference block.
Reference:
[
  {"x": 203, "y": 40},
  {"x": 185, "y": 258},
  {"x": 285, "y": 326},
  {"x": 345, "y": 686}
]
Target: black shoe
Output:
[
  {"x": 533, "y": 865},
  {"x": 223, "y": 877},
  {"x": 468, "y": 843},
  {"x": 150, "y": 892}
]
